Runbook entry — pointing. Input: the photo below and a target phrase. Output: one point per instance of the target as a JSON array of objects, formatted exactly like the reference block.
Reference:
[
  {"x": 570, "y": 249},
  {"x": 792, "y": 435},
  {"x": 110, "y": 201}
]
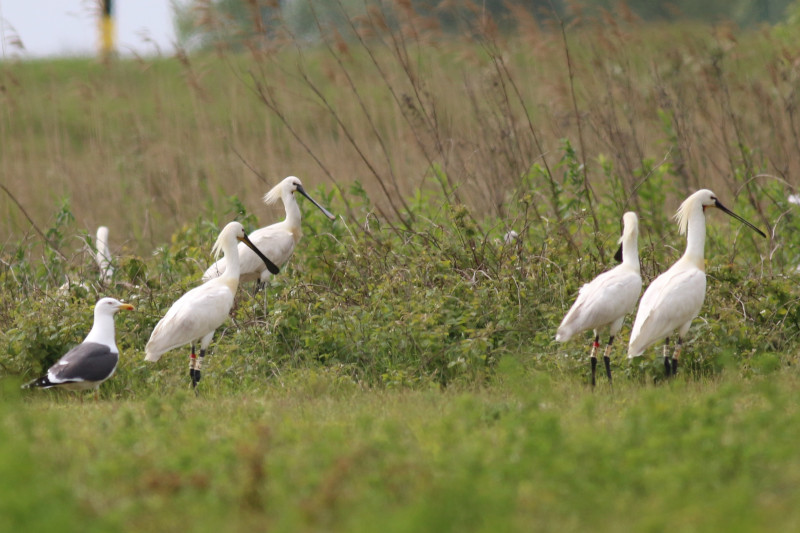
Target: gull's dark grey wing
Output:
[{"x": 89, "y": 361}]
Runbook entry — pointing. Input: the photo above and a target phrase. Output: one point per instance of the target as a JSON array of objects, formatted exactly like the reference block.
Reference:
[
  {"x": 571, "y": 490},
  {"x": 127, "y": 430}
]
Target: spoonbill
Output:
[
  {"x": 276, "y": 241},
  {"x": 675, "y": 297},
  {"x": 606, "y": 300},
  {"x": 103, "y": 256},
  {"x": 199, "y": 312},
  {"x": 91, "y": 362}
]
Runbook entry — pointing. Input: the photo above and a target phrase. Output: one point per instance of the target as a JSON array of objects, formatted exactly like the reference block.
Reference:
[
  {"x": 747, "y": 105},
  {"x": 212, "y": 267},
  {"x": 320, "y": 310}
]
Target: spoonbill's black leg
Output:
[
  {"x": 198, "y": 365},
  {"x": 667, "y": 366},
  {"x": 676, "y": 355},
  {"x": 192, "y": 365},
  {"x": 607, "y": 358},
  {"x": 593, "y": 357}
]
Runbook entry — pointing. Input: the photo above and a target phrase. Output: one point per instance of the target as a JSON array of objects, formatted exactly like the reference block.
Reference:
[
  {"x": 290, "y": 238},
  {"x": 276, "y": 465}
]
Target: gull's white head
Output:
[{"x": 110, "y": 306}]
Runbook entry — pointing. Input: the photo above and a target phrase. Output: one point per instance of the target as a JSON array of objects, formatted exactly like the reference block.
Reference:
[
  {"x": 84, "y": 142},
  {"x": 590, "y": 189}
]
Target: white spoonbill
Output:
[
  {"x": 91, "y": 362},
  {"x": 675, "y": 297},
  {"x": 103, "y": 256},
  {"x": 103, "y": 259},
  {"x": 199, "y": 312},
  {"x": 606, "y": 300},
  {"x": 277, "y": 241}
]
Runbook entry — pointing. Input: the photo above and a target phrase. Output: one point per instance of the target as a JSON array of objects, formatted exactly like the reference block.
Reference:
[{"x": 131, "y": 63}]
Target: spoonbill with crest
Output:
[
  {"x": 277, "y": 241},
  {"x": 675, "y": 297}
]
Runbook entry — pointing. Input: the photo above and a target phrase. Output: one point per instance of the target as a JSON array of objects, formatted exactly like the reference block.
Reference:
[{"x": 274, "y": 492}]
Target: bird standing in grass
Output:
[
  {"x": 198, "y": 313},
  {"x": 606, "y": 300},
  {"x": 277, "y": 241},
  {"x": 91, "y": 362},
  {"x": 675, "y": 297}
]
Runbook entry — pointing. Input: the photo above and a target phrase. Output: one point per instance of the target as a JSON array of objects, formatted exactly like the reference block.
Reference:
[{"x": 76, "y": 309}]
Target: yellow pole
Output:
[{"x": 106, "y": 30}]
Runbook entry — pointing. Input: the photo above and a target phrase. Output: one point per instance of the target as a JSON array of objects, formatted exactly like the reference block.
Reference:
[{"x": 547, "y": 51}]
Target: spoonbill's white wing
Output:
[
  {"x": 605, "y": 299},
  {"x": 673, "y": 299},
  {"x": 191, "y": 317}
]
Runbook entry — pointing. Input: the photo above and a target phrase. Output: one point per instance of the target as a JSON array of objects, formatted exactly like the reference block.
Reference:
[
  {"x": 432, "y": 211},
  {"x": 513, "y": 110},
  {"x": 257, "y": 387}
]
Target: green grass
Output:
[{"x": 530, "y": 451}]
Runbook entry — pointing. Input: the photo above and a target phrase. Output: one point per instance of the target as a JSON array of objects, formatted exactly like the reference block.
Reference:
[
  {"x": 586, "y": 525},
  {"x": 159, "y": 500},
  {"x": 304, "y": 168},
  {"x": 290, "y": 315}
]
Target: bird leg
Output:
[
  {"x": 667, "y": 367},
  {"x": 192, "y": 366},
  {"x": 676, "y": 355},
  {"x": 607, "y": 358},
  {"x": 593, "y": 357},
  {"x": 197, "y": 365}
]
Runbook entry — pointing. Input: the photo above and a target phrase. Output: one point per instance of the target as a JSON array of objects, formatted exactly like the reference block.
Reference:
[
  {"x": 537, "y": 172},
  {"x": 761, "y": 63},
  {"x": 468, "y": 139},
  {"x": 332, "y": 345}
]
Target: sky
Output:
[{"x": 69, "y": 27}]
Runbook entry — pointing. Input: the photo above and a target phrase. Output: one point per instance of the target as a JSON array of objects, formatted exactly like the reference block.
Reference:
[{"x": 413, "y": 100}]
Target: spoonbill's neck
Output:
[
  {"x": 102, "y": 331},
  {"x": 696, "y": 238},
  {"x": 292, "y": 210},
  {"x": 232, "y": 269},
  {"x": 630, "y": 252}
]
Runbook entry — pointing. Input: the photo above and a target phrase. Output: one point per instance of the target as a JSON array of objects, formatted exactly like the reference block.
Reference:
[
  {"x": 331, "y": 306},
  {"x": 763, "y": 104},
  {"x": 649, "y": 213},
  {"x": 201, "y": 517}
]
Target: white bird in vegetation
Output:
[
  {"x": 277, "y": 241},
  {"x": 606, "y": 300},
  {"x": 91, "y": 362},
  {"x": 199, "y": 312},
  {"x": 675, "y": 297},
  {"x": 510, "y": 237},
  {"x": 103, "y": 259},
  {"x": 103, "y": 256}
]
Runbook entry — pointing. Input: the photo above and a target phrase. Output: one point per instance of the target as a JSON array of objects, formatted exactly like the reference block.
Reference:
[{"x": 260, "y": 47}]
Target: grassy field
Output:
[
  {"x": 400, "y": 374},
  {"x": 531, "y": 451}
]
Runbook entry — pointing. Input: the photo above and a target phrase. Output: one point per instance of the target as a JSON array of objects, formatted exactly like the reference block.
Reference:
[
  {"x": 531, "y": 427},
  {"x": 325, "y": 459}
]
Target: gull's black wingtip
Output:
[{"x": 42, "y": 382}]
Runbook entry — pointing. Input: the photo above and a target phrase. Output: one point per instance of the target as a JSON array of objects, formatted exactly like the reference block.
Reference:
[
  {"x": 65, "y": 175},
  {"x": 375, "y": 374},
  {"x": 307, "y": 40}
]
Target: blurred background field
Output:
[
  {"x": 401, "y": 372},
  {"x": 476, "y": 112}
]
